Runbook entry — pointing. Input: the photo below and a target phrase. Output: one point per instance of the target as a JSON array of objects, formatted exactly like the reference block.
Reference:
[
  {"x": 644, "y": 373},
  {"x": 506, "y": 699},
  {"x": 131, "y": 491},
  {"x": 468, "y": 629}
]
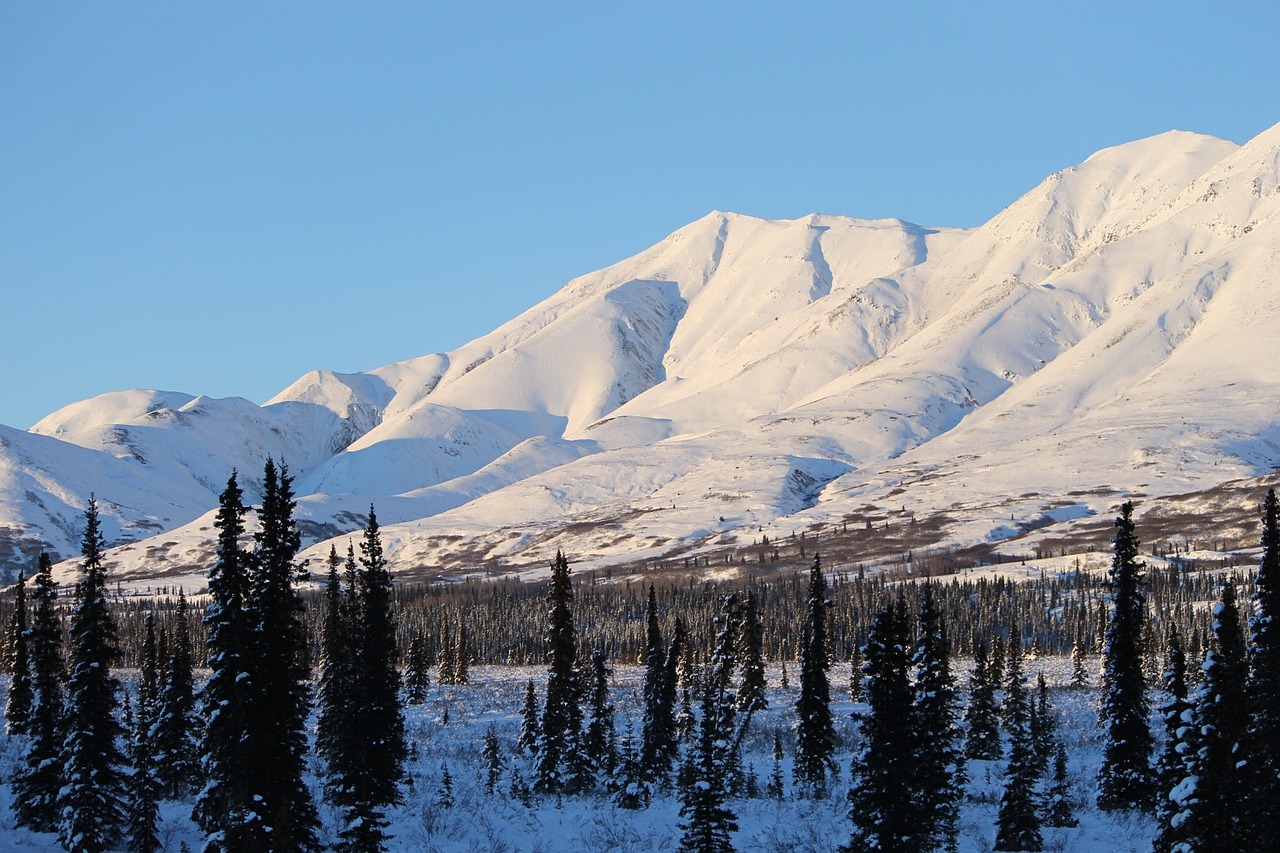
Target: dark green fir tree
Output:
[
  {"x": 561, "y": 766},
  {"x": 177, "y": 729},
  {"x": 1124, "y": 780},
  {"x": 1263, "y": 798},
  {"x": 93, "y": 766},
  {"x": 939, "y": 766},
  {"x": 38, "y": 778},
  {"x": 227, "y": 809},
  {"x": 982, "y": 715},
  {"x": 1018, "y": 822},
  {"x": 880, "y": 798},
  {"x": 657, "y": 732},
  {"x": 17, "y": 708},
  {"x": 280, "y": 675},
  {"x": 815, "y": 730},
  {"x": 1208, "y": 816}
]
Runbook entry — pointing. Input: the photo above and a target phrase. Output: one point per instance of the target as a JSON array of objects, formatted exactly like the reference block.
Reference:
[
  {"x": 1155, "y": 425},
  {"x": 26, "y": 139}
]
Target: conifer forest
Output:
[{"x": 304, "y": 708}]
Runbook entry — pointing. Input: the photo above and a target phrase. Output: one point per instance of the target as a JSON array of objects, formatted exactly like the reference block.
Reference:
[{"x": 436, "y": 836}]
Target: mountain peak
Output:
[{"x": 1102, "y": 336}]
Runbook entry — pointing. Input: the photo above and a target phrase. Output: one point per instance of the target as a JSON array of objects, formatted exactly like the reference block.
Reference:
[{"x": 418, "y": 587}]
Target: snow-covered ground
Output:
[{"x": 478, "y": 821}]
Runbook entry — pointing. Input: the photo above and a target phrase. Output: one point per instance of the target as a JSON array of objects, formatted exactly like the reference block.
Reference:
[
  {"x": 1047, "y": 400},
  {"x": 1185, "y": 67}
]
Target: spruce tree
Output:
[
  {"x": 855, "y": 672},
  {"x": 38, "y": 778},
  {"x": 706, "y": 822},
  {"x": 1124, "y": 780},
  {"x": 337, "y": 664},
  {"x": 939, "y": 767},
  {"x": 367, "y": 758},
  {"x": 17, "y": 709},
  {"x": 530, "y": 731},
  {"x": 492, "y": 754},
  {"x": 1018, "y": 822},
  {"x": 144, "y": 792},
  {"x": 631, "y": 790},
  {"x": 227, "y": 809},
  {"x": 678, "y": 678},
  {"x": 92, "y": 797},
  {"x": 445, "y": 672},
  {"x": 416, "y": 670},
  {"x": 815, "y": 731},
  {"x": 750, "y": 658},
  {"x": 1079, "y": 652},
  {"x": 881, "y": 806},
  {"x": 1058, "y": 810},
  {"x": 731, "y": 726},
  {"x": 776, "y": 788},
  {"x": 599, "y": 738},
  {"x": 461, "y": 657},
  {"x": 177, "y": 729},
  {"x": 1264, "y": 681},
  {"x": 148, "y": 676},
  {"x": 559, "y": 753},
  {"x": 281, "y": 677},
  {"x": 1210, "y": 817},
  {"x": 657, "y": 733},
  {"x": 982, "y": 715},
  {"x": 1044, "y": 730},
  {"x": 1171, "y": 768}
]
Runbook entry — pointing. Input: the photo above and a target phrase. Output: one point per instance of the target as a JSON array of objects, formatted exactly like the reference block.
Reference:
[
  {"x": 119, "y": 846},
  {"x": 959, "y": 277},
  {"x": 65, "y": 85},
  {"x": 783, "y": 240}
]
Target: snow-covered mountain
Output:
[{"x": 1110, "y": 333}]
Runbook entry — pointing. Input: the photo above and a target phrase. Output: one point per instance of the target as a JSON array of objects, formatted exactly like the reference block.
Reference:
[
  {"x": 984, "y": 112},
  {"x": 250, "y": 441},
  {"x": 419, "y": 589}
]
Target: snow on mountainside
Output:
[{"x": 1109, "y": 333}]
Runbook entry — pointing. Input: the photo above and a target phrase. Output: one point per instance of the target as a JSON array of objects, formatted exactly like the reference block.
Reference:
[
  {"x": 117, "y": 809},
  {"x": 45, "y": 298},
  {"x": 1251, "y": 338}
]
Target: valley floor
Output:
[{"x": 448, "y": 729}]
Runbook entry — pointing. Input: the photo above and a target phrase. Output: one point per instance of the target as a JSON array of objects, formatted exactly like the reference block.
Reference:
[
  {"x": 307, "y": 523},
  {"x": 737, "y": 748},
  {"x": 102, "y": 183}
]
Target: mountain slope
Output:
[{"x": 1108, "y": 333}]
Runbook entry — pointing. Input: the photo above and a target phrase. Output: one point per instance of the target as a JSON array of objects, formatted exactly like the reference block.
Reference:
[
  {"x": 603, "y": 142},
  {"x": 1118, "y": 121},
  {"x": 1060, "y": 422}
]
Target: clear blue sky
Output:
[{"x": 216, "y": 198}]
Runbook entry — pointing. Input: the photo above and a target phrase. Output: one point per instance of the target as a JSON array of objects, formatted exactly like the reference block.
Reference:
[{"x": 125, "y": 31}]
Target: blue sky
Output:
[{"x": 216, "y": 198}]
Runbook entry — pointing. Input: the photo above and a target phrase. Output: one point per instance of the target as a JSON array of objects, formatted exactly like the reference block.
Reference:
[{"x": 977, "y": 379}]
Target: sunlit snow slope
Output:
[{"x": 1110, "y": 330}]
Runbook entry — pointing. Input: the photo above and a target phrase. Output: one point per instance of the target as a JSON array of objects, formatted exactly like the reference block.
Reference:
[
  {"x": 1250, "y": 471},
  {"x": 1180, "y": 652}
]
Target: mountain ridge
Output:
[{"x": 745, "y": 374}]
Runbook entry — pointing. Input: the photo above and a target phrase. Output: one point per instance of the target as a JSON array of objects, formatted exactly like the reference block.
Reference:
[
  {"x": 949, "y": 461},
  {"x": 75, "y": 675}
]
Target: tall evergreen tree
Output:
[
  {"x": 1209, "y": 798},
  {"x": 1058, "y": 810},
  {"x": 177, "y": 729},
  {"x": 750, "y": 658},
  {"x": 492, "y": 754},
  {"x": 461, "y": 657},
  {"x": 1124, "y": 780},
  {"x": 337, "y": 664},
  {"x": 982, "y": 715},
  {"x": 882, "y": 809},
  {"x": 17, "y": 709},
  {"x": 530, "y": 731},
  {"x": 815, "y": 731},
  {"x": 939, "y": 767},
  {"x": 706, "y": 822},
  {"x": 1264, "y": 680},
  {"x": 657, "y": 733},
  {"x": 416, "y": 670},
  {"x": 599, "y": 740},
  {"x": 1171, "y": 768},
  {"x": 148, "y": 676},
  {"x": 559, "y": 754},
  {"x": 1018, "y": 822},
  {"x": 1079, "y": 652},
  {"x": 678, "y": 678},
  {"x": 38, "y": 778},
  {"x": 227, "y": 810},
  {"x": 277, "y": 729},
  {"x": 368, "y": 761},
  {"x": 1044, "y": 728},
  {"x": 92, "y": 797},
  {"x": 142, "y": 805}
]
